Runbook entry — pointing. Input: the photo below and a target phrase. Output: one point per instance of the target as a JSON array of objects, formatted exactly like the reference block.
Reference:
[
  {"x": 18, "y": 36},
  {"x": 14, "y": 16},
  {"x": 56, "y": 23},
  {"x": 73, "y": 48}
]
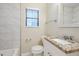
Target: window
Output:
[{"x": 32, "y": 18}]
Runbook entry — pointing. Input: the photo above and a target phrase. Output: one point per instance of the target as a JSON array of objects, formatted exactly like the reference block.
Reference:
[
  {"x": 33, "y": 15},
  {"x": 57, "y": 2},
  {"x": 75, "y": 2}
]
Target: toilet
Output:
[{"x": 37, "y": 50}]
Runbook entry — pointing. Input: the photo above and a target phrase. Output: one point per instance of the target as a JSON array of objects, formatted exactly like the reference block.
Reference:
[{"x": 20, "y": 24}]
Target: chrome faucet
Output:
[{"x": 68, "y": 37}]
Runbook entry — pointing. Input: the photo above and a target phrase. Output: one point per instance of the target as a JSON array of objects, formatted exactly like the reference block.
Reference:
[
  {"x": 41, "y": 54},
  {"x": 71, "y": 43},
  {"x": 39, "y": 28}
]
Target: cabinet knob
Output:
[{"x": 49, "y": 54}]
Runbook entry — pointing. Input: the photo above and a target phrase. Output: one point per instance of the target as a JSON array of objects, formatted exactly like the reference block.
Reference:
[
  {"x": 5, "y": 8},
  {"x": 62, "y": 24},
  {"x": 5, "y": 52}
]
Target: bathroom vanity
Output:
[{"x": 59, "y": 47}]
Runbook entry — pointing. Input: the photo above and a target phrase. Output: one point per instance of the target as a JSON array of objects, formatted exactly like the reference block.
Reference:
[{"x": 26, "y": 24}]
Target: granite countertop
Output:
[{"x": 67, "y": 46}]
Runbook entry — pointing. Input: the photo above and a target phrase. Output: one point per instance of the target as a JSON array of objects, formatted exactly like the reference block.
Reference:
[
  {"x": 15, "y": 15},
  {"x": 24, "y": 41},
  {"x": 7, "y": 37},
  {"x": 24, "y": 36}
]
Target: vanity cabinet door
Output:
[
  {"x": 47, "y": 48},
  {"x": 51, "y": 50}
]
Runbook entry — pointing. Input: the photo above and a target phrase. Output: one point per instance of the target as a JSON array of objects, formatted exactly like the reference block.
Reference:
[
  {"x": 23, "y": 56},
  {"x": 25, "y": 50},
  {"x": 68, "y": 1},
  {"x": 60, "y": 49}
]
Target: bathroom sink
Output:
[
  {"x": 66, "y": 44},
  {"x": 62, "y": 42},
  {"x": 71, "y": 41}
]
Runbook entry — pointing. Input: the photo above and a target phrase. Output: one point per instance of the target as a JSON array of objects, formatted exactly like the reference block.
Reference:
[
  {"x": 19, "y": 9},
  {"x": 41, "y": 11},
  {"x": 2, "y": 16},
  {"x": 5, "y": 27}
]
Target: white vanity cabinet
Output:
[{"x": 51, "y": 50}]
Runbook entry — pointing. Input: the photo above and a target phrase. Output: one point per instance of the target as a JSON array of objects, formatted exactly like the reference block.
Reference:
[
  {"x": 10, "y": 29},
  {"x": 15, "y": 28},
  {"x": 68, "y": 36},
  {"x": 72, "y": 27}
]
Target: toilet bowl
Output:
[{"x": 37, "y": 50}]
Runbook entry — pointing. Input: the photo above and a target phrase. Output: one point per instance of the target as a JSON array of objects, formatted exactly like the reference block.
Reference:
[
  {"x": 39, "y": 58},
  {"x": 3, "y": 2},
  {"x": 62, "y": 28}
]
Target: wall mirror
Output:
[{"x": 68, "y": 14}]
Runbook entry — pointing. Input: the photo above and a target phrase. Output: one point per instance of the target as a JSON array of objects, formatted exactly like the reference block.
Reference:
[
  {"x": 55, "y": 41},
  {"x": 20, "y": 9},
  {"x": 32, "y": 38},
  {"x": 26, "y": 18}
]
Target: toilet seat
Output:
[{"x": 38, "y": 49}]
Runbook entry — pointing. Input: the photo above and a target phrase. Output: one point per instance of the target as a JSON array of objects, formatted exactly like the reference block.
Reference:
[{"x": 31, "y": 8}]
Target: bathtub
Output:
[{"x": 10, "y": 52}]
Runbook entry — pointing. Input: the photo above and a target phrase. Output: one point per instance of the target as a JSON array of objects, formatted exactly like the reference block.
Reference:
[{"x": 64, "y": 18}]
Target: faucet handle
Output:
[
  {"x": 71, "y": 37},
  {"x": 66, "y": 37}
]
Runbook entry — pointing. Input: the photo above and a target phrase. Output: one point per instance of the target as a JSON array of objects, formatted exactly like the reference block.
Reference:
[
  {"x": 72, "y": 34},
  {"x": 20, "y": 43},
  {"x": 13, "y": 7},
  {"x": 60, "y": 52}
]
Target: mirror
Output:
[{"x": 68, "y": 15}]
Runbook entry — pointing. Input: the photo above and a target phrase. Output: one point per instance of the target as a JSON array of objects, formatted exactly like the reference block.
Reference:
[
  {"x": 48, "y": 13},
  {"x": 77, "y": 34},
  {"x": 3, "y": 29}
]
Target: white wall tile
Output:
[{"x": 9, "y": 26}]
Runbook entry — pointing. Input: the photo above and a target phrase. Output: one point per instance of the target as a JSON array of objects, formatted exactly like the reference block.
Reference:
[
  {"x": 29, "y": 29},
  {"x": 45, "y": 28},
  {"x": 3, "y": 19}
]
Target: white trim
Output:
[{"x": 33, "y": 8}]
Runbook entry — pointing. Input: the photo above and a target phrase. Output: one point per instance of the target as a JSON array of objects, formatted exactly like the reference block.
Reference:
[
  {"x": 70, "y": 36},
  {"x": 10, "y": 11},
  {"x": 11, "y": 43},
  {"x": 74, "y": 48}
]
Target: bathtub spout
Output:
[{"x": 1, "y": 54}]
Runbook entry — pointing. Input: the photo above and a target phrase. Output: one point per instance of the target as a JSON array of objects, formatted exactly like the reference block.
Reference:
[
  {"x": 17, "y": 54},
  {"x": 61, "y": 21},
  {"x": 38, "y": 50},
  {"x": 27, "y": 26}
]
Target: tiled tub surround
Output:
[
  {"x": 10, "y": 52},
  {"x": 65, "y": 46},
  {"x": 9, "y": 26}
]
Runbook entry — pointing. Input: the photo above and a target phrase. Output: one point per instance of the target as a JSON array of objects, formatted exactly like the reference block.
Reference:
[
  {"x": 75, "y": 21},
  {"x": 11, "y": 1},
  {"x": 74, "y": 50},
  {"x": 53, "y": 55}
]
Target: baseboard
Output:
[{"x": 27, "y": 54}]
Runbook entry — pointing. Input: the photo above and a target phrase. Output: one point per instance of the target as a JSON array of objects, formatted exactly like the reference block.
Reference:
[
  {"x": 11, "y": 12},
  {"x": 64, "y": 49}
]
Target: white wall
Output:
[
  {"x": 52, "y": 28},
  {"x": 33, "y": 33},
  {"x": 9, "y": 26}
]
